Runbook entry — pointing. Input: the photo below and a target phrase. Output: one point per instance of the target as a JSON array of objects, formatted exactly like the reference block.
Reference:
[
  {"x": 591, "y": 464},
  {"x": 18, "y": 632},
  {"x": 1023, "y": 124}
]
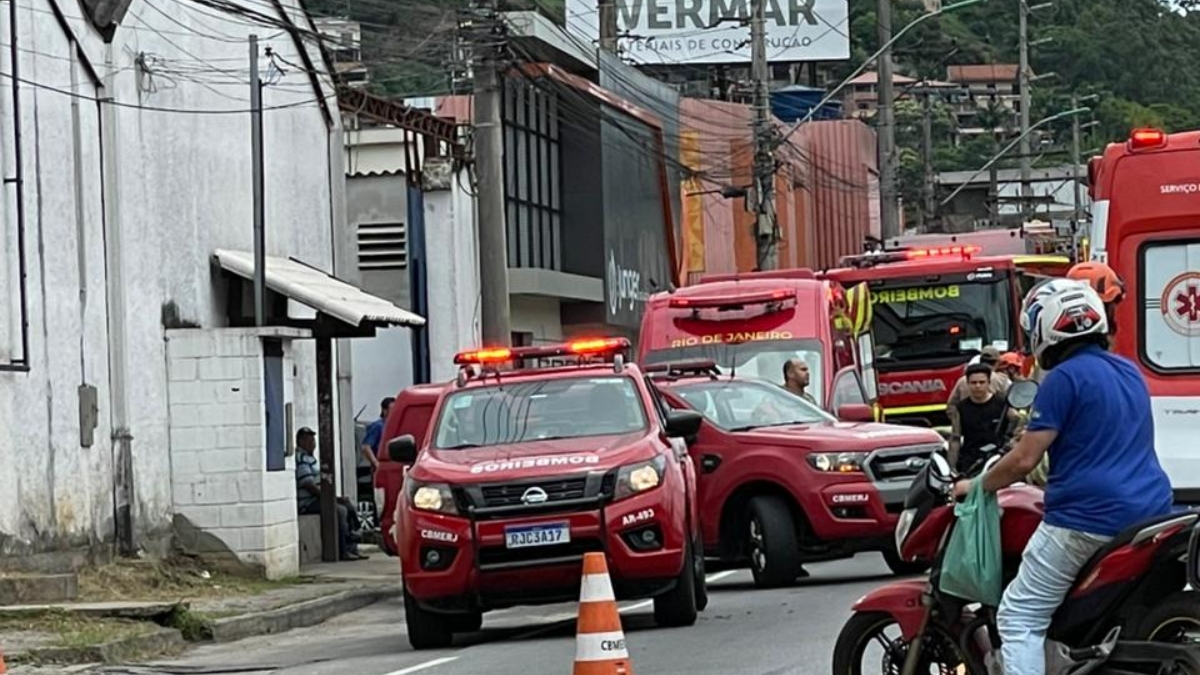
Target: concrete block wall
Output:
[{"x": 219, "y": 479}]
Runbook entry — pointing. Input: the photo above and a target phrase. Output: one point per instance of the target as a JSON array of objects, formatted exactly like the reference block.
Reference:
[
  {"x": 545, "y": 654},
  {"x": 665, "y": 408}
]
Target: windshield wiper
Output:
[
  {"x": 463, "y": 446},
  {"x": 752, "y": 427}
]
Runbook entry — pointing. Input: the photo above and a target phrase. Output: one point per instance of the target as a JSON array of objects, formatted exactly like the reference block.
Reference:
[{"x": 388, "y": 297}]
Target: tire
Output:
[
  {"x": 861, "y": 630},
  {"x": 1180, "y": 610},
  {"x": 426, "y": 630},
  {"x": 772, "y": 543},
  {"x": 467, "y": 623},
  {"x": 701, "y": 576},
  {"x": 677, "y": 607},
  {"x": 903, "y": 568}
]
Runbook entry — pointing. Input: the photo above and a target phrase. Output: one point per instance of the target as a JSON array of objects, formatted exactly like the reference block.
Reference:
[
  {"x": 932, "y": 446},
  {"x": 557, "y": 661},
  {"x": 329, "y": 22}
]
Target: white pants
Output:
[{"x": 1051, "y": 563}]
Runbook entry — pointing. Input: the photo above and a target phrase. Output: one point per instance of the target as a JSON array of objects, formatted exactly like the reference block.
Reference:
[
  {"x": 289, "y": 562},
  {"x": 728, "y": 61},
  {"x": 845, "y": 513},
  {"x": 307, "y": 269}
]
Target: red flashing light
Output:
[
  {"x": 586, "y": 347},
  {"x": 497, "y": 355},
  {"x": 942, "y": 252},
  {"x": 955, "y": 330},
  {"x": 733, "y": 300},
  {"x": 597, "y": 346},
  {"x": 1141, "y": 139}
]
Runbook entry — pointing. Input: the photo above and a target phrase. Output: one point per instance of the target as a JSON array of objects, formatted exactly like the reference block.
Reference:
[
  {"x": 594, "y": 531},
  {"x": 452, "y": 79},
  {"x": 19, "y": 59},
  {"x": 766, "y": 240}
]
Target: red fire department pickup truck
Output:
[
  {"x": 523, "y": 471},
  {"x": 782, "y": 482}
]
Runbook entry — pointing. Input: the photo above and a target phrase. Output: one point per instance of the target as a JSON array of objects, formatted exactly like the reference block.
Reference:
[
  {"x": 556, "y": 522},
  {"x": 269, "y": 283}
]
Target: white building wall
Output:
[
  {"x": 538, "y": 315},
  {"x": 452, "y": 249},
  {"x": 217, "y": 448},
  {"x": 179, "y": 187}
]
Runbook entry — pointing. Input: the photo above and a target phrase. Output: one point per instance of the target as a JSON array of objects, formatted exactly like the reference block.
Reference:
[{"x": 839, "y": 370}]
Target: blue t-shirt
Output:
[
  {"x": 373, "y": 435},
  {"x": 1104, "y": 473}
]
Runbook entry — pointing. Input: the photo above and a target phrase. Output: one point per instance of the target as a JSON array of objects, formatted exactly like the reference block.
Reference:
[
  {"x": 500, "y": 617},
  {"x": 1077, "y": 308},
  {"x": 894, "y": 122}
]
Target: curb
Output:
[
  {"x": 161, "y": 641},
  {"x": 299, "y": 615}
]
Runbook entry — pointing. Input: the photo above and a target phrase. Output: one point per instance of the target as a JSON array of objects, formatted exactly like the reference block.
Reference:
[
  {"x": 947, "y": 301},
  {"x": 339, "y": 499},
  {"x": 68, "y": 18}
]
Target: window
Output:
[
  {"x": 915, "y": 321},
  {"x": 741, "y": 405},
  {"x": 273, "y": 398},
  {"x": 848, "y": 390},
  {"x": 382, "y": 246},
  {"x": 532, "y": 175},
  {"x": 1170, "y": 305},
  {"x": 761, "y": 360},
  {"x": 540, "y": 410}
]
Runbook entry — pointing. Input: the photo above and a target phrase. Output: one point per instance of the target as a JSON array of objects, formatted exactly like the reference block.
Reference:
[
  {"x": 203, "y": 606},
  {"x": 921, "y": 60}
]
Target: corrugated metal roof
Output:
[{"x": 318, "y": 290}]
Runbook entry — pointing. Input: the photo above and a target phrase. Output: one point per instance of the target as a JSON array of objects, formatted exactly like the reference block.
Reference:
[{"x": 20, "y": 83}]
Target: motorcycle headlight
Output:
[
  {"x": 903, "y": 525},
  {"x": 637, "y": 478},
  {"x": 837, "y": 462},
  {"x": 435, "y": 497}
]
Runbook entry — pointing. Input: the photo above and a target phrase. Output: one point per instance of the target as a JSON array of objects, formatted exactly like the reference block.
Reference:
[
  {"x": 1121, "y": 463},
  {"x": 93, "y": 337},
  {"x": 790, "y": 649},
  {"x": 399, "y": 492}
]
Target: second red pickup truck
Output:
[{"x": 782, "y": 482}]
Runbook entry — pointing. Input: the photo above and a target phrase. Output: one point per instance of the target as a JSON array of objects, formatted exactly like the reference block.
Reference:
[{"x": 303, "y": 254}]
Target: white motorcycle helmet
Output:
[{"x": 1058, "y": 312}]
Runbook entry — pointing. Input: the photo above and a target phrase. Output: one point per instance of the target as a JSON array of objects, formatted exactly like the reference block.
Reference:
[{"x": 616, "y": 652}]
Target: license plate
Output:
[{"x": 537, "y": 535}]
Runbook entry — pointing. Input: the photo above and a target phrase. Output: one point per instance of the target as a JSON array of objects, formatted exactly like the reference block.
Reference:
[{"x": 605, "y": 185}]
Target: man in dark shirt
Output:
[{"x": 980, "y": 415}]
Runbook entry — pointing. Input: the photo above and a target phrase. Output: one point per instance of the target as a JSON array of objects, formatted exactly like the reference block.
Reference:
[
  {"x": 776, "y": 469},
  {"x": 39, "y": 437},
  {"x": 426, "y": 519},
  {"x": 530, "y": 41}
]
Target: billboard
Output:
[{"x": 690, "y": 32}]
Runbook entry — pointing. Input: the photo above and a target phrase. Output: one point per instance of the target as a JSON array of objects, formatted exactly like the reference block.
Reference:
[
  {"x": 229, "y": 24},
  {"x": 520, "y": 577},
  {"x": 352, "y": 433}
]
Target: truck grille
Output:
[
  {"x": 498, "y": 557},
  {"x": 556, "y": 490},
  {"x": 897, "y": 464}
]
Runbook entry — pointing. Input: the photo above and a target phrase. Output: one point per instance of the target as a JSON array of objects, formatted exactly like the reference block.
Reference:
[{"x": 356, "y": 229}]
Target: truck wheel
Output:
[
  {"x": 677, "y": 607},
  {"x": 903, "y": 568},
  {"x": 467, "y": 623},
  {"x": 701, "y": 576},
  {"x": 772, "y": 543},
  {"x": 426, "y": 630}
]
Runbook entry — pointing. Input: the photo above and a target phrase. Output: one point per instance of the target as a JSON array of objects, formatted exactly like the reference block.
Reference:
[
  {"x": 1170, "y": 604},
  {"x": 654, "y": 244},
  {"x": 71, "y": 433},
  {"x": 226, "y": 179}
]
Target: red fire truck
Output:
[
  {"x": 933, "y": 310},
  {"x": 1146, "y": 226}
]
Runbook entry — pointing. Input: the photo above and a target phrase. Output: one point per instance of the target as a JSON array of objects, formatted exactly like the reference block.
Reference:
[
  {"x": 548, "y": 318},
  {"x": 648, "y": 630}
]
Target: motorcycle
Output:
[{"x": 1128, "y": 613}]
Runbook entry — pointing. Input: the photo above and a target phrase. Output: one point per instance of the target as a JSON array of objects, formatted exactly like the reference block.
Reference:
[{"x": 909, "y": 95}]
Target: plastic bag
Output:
[{"x": 971, "y": 567}]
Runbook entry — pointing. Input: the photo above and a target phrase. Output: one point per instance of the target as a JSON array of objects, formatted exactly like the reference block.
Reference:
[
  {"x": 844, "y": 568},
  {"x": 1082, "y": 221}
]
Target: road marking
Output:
[
  {"x": 424, "y": 666},
  {"x": 713, "y": 578},
  {"x": 637, "y": 606}
]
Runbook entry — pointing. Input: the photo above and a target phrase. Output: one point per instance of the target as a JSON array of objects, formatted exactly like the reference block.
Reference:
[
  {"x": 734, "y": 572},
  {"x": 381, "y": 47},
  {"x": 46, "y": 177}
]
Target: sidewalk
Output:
[{"x": 135, "y": 610}]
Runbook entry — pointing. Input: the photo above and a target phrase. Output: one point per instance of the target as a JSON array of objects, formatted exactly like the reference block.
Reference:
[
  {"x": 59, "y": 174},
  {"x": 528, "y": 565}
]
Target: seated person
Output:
[{"x": 308, "y": 495}]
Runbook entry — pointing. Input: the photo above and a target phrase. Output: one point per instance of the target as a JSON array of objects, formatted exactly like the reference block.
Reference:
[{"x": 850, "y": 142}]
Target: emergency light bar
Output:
[
  {"x": 733, "y": 300},
  {"x": 868, "y": 259},
  {"x": 685, "y": 367},
  {"x": 589, "y": 347},
  {"x": 802, "y": 273},
  {"x": 1145, "y": 139}
]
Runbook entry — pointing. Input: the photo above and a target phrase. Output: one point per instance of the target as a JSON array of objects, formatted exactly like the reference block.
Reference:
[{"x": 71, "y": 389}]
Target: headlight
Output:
[
  {"x": 837, "y": 462},
  {"x": 636, "y": 478},
  {"x": 434, "y": 497},
  {"x": 903, "y": 525}
]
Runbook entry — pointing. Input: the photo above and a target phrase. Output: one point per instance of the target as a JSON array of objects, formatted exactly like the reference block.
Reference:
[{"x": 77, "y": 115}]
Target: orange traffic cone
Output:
[{"x": 599, "y": 640}]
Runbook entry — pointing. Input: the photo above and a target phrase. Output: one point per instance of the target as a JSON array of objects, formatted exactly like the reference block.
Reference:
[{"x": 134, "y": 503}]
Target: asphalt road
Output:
[{"x": 743, "y": 631}]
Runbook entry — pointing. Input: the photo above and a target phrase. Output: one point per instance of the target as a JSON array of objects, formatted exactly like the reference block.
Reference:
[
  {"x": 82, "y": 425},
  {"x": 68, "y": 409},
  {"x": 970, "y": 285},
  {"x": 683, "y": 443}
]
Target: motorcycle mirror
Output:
[
  {"x": 939, "y": 467},
  {"x": 1022, "y": 394},
  {"x": 991, "y": 461}
]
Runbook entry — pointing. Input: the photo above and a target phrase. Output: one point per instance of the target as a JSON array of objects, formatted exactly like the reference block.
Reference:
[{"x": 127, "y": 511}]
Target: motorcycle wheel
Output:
[
  {"x": 940, "y": 653},
  {"x": 1175, "y": 620}
]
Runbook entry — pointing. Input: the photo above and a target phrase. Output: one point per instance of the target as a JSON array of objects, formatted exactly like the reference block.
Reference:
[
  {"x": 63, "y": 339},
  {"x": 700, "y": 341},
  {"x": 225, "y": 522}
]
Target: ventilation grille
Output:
[{"x": 382, "y": 246}]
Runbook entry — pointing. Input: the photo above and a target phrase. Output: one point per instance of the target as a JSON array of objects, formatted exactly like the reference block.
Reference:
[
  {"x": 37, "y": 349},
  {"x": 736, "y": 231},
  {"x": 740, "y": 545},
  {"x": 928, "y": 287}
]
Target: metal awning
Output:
[{"x": 320, "y": 291}]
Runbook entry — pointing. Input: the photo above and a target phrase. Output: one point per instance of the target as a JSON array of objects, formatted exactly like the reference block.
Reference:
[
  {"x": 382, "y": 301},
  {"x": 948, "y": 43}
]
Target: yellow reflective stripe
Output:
[
  {"x": 914, "y": 409},
  {"x": 1041, "y": 259}
]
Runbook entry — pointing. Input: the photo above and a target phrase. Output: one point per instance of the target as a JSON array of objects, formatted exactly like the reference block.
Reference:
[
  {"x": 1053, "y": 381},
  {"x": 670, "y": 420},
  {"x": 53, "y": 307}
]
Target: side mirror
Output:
[
  {"x": 939, "y": 468},
  {"x": 403, "y": 449},
  {"x": 856, "y": 412},
  {"x": 1021, "y": 394},
  {"x": 683, "y": 423}
]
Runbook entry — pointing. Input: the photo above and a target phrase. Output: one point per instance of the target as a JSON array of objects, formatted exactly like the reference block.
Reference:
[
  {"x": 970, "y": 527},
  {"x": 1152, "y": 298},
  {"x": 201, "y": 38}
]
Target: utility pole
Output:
[
  {"x": 608, "y": 26},
  {"x": 489, "y": 165},
  {"x": 256, "y": 161},
  {"x": 889, "y": 217},
  {"x": 927, "y": 155},
  {"x": 1023, "y": 81},
  {"x": 764, "y": 159}
]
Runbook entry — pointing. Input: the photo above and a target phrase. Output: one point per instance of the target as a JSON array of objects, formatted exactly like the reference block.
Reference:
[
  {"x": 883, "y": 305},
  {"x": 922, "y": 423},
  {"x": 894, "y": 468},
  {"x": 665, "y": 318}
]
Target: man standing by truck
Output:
[{"x": 796, "y": 379}]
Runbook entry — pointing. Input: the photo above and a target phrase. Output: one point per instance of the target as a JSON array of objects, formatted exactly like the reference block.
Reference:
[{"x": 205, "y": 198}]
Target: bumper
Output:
[
  {"x": 455, "y": 564},
  {"x": 861, "y": 510}
]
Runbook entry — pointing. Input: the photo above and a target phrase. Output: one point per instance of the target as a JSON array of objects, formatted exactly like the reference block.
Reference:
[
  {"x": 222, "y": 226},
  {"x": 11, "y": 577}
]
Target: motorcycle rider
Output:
[
  {"x": 1093, "y": 414},
  {"x": 1111, "y": 289}
]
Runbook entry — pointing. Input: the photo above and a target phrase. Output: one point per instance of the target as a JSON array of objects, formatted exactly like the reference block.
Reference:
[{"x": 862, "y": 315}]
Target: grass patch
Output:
[
  {"x": 170, "y": 580},
  {"x": 68, "y": 630}
]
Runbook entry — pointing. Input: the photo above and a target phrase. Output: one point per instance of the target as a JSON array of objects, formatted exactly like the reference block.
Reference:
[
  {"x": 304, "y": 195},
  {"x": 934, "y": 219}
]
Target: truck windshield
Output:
[
  {"x": 742, "y": 405},
  {"x": 761, "y": 360},
  {"x": 540, "y": 410},
  {"x": 952, "y": 319}
]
